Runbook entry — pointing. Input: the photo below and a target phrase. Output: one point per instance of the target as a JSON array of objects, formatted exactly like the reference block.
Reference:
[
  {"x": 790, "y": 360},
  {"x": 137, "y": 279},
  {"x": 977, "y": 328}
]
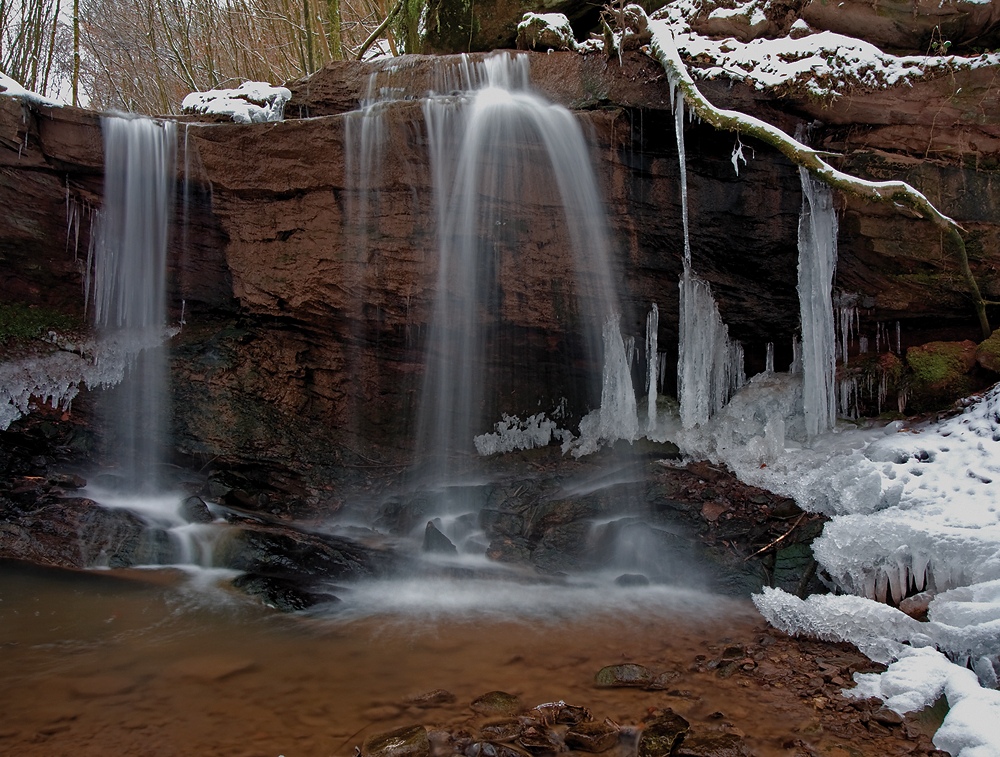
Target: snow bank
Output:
[
  {"x": 10, "y": 87},
  {"x": 918, "y": 675},
  {"x": 821, "y": 64},
  {"x": 252, "y": 102}
]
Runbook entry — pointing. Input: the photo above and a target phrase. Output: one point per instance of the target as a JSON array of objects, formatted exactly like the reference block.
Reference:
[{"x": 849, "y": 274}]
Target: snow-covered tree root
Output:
[{"x": 896, "y": 193}]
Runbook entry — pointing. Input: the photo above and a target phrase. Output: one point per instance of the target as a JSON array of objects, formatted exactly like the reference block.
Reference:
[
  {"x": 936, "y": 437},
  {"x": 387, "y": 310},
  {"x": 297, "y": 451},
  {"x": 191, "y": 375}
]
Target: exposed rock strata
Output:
[{"x": 307, "y": 324}]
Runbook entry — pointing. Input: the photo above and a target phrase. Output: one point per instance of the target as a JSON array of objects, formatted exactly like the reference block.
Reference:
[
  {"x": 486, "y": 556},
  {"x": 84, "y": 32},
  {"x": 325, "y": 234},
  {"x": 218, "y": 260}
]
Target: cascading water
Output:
[
  {"x": 817, "y": 260},
  {"x": 127, "y": 288},
  {"x": 508, "y": 140}
]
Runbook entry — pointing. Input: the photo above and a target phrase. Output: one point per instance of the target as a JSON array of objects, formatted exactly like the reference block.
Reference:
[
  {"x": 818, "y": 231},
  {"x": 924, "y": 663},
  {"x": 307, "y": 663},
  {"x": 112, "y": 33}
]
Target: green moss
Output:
[
  {"x": 19, "y": 322},
  {"x": 988, "y": 352},
  {"x": 938, "y": 363}
]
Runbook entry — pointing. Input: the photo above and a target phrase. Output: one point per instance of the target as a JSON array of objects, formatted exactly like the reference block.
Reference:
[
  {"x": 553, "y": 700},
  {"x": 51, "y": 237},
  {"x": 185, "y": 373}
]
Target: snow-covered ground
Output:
[{"x": 914, "y": 508}]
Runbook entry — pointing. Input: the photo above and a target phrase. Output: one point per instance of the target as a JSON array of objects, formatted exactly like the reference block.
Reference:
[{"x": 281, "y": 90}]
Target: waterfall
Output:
[
  {"x": 817, "y": 260},
  {"x": 709, "y": 364},
  {"x": 126, "y": 287},
  {"x": 489, "y": 149}
]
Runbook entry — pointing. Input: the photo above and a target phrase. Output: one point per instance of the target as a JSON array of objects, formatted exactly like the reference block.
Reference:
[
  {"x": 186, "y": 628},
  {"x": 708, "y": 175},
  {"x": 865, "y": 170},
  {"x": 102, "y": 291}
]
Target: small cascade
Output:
[
  {"x": 817, "y": 260},
  {"x": 709, "y": 364},
  {"x": 486, "y": 148},
  {"x": 126, "y": 287}
]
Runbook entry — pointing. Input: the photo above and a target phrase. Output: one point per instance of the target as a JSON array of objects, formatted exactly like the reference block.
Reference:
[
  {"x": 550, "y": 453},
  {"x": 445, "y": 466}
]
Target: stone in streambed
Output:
[
  {"x": 662, "y": 734},
  {"x": 507, "y": 729},
  {"x": 712, "y": 745},
  {"x": 194, "y": 510},
  {"x": 427, "y": 699},
  {"x": 436, "y": 542},
  {"x": 285, "y": 594},
  {"x": 493, "y": 749},
  {"x": 497, "y": 703},
  {"x": 632, "y": 579},
  {"x": 592, "y": 737},
  {"x": 627, "y": 674},
  {"x": 408, "y": 741}
]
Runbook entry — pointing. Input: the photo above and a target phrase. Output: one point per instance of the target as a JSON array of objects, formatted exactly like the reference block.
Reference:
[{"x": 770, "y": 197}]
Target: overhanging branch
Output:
[{"x": 896, "y": 193}]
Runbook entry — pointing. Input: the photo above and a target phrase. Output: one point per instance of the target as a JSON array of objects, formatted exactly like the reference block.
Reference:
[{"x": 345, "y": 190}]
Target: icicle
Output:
[
  {"x": 795, "y": 367},
  {"x": 898, "y": 340},
  {"x": 769, "y": 359},
  {"x": 652, "y": 334},
  {"x": 817, "y": 261}
]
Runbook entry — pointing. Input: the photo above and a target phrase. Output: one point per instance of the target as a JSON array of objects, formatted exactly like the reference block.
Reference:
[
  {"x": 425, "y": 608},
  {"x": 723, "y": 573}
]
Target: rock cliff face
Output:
[{"x": 307, "y": 319}]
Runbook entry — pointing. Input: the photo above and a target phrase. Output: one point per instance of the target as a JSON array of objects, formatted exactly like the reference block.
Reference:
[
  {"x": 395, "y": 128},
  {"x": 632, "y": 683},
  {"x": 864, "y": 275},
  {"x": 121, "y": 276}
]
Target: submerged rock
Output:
[
  {"x": 626, "y": 674},
  {"x": 427, "y": 699},
  {"x": 497, "y": 703},
  {"x": 282, "y": 593},
  {"x": 408, "y": 741}
]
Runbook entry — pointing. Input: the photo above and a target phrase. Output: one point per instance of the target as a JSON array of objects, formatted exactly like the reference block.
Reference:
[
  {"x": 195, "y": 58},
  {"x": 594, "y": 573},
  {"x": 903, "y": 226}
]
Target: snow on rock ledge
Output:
[{"x": 251, "y": 102}]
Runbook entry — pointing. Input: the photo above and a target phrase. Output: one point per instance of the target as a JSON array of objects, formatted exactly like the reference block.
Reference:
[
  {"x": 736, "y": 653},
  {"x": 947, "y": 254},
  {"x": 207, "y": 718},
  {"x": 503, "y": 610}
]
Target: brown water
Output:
[{"x": 145, "y": 664}]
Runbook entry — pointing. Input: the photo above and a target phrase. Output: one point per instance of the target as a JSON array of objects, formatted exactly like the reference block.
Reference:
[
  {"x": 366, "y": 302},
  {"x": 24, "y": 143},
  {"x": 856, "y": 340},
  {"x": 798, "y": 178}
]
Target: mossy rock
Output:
[
  {"x": 20, "y": 322},
  {"x": 940, "y": 373},
  {"x": 988, "y": 352},
  {"x": 662, "y": 734},
  {"x": 408, "y": 741}
]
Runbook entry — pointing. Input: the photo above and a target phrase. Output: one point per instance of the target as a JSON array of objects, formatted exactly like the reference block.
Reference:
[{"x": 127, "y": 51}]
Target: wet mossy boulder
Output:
[
  {"x": 988, "y": 353},
  {"x": 408, "y": 741},
  {"x": 940, "y": 373},
  {"x": 628, "y": 674},
  {"x": 549, "y": 31},
  {"x": 662, "y": 734},
  {"x": 497, "y": 704}
]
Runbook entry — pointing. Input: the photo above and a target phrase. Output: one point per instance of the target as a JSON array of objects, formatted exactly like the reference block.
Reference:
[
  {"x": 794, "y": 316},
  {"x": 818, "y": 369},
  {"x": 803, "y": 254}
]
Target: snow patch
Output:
[
  {"x": 252, "y": 102},
  {"x": 11, "y": 88}
]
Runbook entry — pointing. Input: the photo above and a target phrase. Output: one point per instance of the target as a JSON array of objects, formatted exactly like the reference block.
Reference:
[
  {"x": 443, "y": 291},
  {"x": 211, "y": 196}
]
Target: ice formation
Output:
[
  {"x": 817, "y": 260},
  {"x": 652, "y": 360},
  {"x": 251, "y": 102},
  {"x": 512, "y": 433},
  {"x": 617, "y": 417}
]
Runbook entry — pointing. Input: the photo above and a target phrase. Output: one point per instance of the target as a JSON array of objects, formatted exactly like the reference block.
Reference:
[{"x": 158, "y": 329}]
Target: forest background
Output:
[{"x": 144, "y": 56}]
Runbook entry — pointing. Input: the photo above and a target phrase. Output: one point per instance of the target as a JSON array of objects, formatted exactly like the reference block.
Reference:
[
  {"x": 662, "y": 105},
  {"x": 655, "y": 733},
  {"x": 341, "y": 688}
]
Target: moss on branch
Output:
[{"x": 896, "y": 193}]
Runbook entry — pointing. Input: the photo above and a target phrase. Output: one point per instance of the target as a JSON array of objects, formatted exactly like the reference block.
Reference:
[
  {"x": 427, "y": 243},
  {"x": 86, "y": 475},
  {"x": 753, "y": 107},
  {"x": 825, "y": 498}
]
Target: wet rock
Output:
[
  {"x": 988, "y": 352},
  {"x": 408, "y": 741},
  {"x": 697, "y": 744},
  {"x": 507, "y": 729},
  {"x": 664, "y": 681},
  {"x": 493, "y": 749},
  {"x": 509, "y": 549},
  {"x": 428, "y": 699},
  {"x": 281, "y": 551},
  {"x": 67, "y": 481},
  {"x": 887, "y": 717},
  {"x": 537, "y": 739},
  {"x": 436, "y": 542},
  {"x": 662, "y": 734},
  {"x": 560, "y": 712},
  {"x": 624, "y": 675},
  {"x": 75, "y": 532},
  {"x": 282, "y": 594},
  {"x": 592, "y": 737},
  {"x": 194, "y": 510},
  {"x": 632, "y": 579},
  {"x": 497, "y": 703}
]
